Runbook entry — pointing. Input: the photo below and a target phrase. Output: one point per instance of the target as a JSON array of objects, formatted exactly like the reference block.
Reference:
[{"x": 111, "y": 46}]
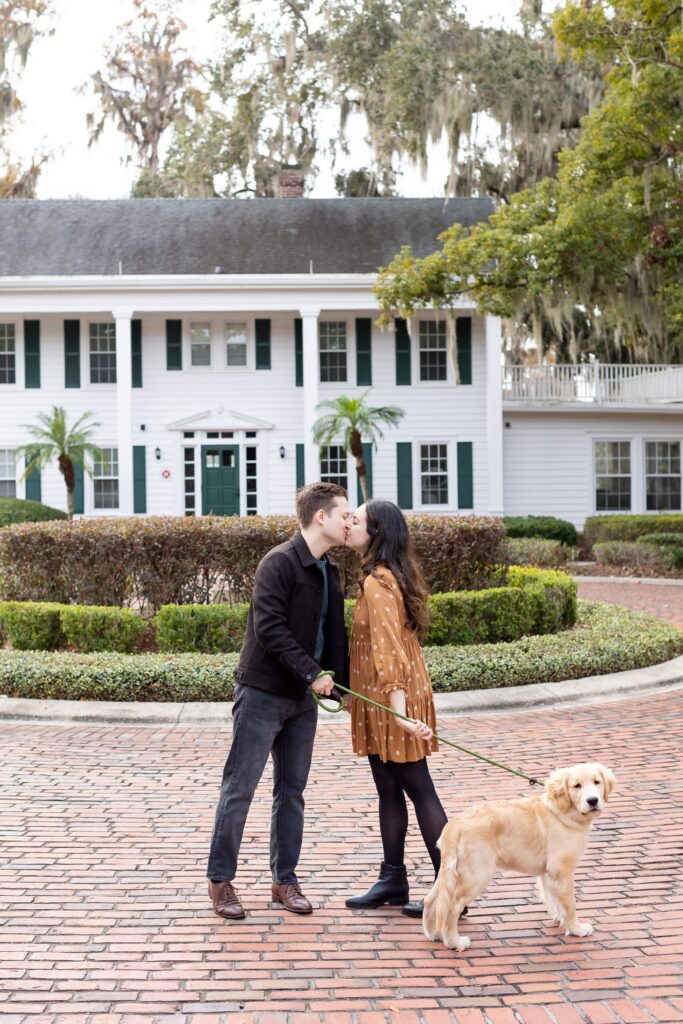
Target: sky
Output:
[{"x": 54, "y": 116}]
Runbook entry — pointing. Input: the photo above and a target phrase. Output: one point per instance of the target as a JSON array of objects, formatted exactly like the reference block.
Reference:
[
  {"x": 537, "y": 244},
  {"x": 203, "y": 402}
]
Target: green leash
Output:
[{"x": 472, "y": 753}]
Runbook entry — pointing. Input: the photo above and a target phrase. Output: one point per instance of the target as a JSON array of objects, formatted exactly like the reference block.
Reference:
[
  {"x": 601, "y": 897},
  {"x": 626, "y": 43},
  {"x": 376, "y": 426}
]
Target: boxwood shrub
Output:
[
  {"x": 35, "y": 626},
  {"x": 211, "y": 628},
  {"x": 156, "y": 560},
  {"x": 541, "y": 526},
  {"x": 671, "y": 545},
  {"x": 629, "y": 527},
  {"x": 537, "y": 551},
  {"x": 91, "y": 628},
  {"x": 631, "y": 555},
  {"x": 18, "y": 510},
  {"x": 605, "y": 639}
]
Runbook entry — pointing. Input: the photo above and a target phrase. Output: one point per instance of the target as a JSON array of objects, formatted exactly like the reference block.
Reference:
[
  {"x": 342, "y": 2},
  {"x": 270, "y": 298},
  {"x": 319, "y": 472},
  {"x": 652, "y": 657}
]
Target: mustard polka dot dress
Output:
[{"x": 386, "y": 656}]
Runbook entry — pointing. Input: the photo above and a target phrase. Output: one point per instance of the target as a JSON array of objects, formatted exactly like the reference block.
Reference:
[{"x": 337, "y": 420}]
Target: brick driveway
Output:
[
  {"x": 104, "y": 916},
  {"x": 665, "y": 600}
]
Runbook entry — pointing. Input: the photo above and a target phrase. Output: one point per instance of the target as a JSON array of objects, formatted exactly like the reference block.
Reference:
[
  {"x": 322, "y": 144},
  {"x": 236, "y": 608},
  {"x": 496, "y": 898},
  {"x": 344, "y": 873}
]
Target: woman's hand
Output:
[{"x": 420, "y": 730}]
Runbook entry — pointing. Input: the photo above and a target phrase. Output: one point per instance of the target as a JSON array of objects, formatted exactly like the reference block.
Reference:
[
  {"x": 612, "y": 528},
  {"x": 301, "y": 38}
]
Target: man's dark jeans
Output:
[{"x": 263, "y": 724}]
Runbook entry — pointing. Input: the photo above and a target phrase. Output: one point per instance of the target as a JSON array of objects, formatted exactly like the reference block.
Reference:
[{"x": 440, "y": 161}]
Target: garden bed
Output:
[{"x": 605, "y": 639}]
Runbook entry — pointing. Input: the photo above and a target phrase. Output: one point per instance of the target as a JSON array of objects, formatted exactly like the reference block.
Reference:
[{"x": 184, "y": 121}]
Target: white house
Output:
[{"x": 203, "y": 334}]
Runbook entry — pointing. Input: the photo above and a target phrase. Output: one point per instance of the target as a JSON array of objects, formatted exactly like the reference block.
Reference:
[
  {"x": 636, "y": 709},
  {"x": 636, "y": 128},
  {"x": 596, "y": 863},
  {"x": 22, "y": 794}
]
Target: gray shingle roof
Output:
[{"x": 195, "y": 236}]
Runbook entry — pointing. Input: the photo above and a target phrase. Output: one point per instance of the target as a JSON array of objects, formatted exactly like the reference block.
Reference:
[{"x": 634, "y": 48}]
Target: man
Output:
[{"x": 295, "y": 643}]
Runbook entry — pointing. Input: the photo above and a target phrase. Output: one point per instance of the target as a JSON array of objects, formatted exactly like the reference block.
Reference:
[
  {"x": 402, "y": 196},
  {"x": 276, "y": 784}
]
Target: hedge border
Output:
[{"x": 606, "y": 639}]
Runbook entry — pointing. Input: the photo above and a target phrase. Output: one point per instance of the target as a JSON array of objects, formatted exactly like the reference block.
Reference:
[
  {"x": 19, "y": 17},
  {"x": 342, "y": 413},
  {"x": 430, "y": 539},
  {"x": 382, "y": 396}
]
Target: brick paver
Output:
[
  {"x": 660, "y": 599},
  {"x": 104, "y": 917}
]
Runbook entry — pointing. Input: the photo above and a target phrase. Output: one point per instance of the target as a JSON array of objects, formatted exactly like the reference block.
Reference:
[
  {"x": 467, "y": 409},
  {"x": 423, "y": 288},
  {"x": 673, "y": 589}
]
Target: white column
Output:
[
  {"x": 494, "y": 415},
  {"x": 124, "y": 409},
  {"x": 309, "y": 316}
]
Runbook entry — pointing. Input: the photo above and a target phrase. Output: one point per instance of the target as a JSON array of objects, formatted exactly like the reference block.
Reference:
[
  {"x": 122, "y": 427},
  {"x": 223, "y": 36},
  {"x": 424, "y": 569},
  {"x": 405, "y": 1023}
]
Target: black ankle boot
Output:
[
  {"x": 390, "y": 888},
  {"x": 416, "y": 909}
]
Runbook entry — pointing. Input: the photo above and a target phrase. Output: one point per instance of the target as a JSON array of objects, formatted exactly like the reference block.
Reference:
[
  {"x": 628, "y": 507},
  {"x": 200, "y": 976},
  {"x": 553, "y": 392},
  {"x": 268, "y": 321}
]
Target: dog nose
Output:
[{"x": 592, "y": 801}]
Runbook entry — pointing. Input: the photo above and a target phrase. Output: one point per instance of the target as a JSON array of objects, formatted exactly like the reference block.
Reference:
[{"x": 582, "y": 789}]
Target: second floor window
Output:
[
  {"x": 663, "y": 476},
  {"x": 613, "y": 476},
  {"x": 8, "y": 476},
  {"x": 236, "y": 341},
  {"x": 103, "y": 353},
  {"x": 8, "y": 354},
  {"x": 332, "y": 351},
  {"x": 434, "y": 474},
  {"x": 433, "y": 350},
  {"x": 106, "y": 479},
  {"x": 200, "y": 345}
]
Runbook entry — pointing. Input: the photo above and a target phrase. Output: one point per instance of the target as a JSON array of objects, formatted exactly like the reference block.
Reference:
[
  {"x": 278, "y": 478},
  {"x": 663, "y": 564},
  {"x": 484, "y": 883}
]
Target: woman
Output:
[{"x": 387, "y": 665}]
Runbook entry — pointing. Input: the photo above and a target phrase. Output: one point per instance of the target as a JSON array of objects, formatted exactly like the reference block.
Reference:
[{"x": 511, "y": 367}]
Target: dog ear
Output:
[
  {"x": 608, "y": 780},
  {"x": 557, "y": 788}
]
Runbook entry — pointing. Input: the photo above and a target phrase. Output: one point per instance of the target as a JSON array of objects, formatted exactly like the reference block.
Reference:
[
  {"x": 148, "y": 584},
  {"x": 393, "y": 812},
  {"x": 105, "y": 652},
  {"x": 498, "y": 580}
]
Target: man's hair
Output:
[{"x": 315, "y": 496}]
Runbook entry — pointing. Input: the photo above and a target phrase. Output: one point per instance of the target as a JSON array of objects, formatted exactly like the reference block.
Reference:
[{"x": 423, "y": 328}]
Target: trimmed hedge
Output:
[
  {"x": 211, "y": 628},
  {"x": 670, "y": 544},
  {"x": 156, "y": 560},
  {"x": 535, "y": 551},
  {"x": 17, "y": 510},
  {"x": 90, "y": 628},
  {"x": 32, "y": 627},
  {"x": 629, "y": 527},
  {"x": 631, "y": 555},
  {"x": 546, "y": 527},
  {"x": 605, "y": 639}
]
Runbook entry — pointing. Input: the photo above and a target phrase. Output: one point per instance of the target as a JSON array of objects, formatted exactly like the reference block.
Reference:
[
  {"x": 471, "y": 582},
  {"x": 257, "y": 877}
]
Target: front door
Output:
[{"x": 220, "y": 480}]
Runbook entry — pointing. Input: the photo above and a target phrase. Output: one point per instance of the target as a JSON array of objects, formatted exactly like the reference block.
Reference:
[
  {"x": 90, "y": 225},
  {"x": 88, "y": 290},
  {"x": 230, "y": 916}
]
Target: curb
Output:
[{"x": 592, "y": 689}]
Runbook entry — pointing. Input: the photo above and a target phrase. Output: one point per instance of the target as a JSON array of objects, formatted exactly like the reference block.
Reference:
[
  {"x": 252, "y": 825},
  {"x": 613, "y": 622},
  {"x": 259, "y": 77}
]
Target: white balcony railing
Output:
[{"x": 595, "y": 383}]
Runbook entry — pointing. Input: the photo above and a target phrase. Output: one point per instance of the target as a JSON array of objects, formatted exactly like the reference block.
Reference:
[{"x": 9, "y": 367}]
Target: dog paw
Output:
[
  {"x": 461, "y": 943},
  {"x": 581, "y": 928}
]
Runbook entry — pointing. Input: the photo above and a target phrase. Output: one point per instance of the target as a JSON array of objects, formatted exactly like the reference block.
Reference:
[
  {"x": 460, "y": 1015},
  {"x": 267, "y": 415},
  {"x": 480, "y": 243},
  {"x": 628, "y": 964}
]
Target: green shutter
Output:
[
  {"x": 139, "y": 479},
  {"x": 404, "y": 474},
  {"x": 33, "y": 488},
  {"x": 367, "y": 459},
  {"x": 262, "y": 328},
  {"x": 402, "y": 352},
  {"x": 72, "y": 353},
  {"x": 463, "y": 334},
  {"x": 300, "y": 466},
  {"x": 363, "y": 351},
  {"x": 299, "y": 352},
  {"x": 136, "y": 348},
  {"x": 465, "y": 477},
  {"x": 174, "y": 344},
  {"x": 32, "y": 354},
  {"x": 79, "y": 494}
]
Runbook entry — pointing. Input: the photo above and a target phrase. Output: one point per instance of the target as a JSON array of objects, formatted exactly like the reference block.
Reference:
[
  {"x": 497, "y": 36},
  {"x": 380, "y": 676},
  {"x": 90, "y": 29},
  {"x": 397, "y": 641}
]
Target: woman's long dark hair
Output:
[{"x": 391, "y": 546}]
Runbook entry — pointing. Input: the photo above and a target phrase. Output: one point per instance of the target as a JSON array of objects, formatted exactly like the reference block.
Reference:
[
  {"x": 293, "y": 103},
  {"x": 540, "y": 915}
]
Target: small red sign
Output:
[{"x": 166, "y": 473}]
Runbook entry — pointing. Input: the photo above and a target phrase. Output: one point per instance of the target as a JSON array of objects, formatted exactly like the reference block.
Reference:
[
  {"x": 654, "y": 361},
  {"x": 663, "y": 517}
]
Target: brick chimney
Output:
[{"x": 290, "y": 183}]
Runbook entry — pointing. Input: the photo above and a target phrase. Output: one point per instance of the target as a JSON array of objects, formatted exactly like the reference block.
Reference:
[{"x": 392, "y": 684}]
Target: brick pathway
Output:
[
  {"x": 660, "y": 599},
  {"x": 104, "y": 917}
]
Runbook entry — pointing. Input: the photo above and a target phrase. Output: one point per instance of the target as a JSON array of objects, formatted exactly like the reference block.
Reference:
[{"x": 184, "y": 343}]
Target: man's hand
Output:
[{"x": 323, "y": 686}]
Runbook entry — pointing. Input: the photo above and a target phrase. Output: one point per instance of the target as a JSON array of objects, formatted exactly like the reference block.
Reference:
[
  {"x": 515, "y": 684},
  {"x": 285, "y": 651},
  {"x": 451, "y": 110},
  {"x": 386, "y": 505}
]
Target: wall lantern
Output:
[
  {"x": 157, "y": 454},
  {"x": 282, "y": 451}
]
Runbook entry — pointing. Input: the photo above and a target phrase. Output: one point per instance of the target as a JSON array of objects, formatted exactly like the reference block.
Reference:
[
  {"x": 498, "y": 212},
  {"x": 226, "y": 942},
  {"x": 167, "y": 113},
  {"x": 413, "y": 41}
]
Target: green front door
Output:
[{"x": 220, "y": 480}]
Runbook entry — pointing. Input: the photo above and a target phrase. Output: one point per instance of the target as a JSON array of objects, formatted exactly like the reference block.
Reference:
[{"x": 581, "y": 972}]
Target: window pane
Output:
[
  {"x": 333, "y": 351},
  {"x": 663, "y": 476},
  {"x": 433, "y": 350},
  {"x": 200, "y": 354},
  {"x": 102, "y": 353},
  {"x": 237, "y": 354},
  {"x": 333, "y": 466},
  {"x": 8, "y": 356},
  {"x": 434, "y": 474}
]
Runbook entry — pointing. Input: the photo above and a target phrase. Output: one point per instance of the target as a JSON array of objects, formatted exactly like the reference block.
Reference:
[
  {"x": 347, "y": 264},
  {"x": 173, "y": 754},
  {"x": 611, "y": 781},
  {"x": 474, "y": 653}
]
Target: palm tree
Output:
[
  {"x": 353, "y": 419},
  {"x": 55, "y": 439}
]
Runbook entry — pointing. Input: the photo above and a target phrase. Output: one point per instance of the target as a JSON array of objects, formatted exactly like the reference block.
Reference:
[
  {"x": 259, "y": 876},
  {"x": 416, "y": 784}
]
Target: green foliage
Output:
[
  {"x": 89, "y": 628},
  {"x": 17, "y": 510},
  {"x": 156, "y": 560},
  {"x": 605, "y": 639},
  {"x": 541, "y": 526},
  {"x": 629, "y": 527},
  {"x": 604, "y": 238},
  {"x": 632, "y": 555},
  {"x": 670, "y": 544},
  {"x": 211, "y": 629},
  {"x": 32, "y": 627},
  {"x": 537, "y": 551}
]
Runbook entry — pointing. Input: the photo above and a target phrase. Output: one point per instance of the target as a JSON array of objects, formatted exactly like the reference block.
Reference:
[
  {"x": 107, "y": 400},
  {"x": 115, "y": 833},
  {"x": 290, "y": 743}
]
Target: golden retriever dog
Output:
[{"x": 543, "y": 835}]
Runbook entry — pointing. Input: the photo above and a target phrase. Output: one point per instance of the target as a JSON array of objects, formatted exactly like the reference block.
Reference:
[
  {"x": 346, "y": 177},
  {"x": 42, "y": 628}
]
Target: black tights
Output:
[{"x": 394, "y": 782}]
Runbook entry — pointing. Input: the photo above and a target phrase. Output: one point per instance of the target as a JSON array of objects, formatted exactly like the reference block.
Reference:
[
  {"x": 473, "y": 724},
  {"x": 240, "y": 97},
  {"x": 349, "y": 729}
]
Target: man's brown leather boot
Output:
[
  {"x": 226, "y": 902},
  {"x": 291, "y": 898}
]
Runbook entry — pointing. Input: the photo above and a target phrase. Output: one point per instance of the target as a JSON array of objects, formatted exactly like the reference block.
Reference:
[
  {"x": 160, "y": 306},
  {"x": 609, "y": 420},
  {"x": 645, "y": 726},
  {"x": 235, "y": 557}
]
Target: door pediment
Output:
[{"x": 219, "y": 419}]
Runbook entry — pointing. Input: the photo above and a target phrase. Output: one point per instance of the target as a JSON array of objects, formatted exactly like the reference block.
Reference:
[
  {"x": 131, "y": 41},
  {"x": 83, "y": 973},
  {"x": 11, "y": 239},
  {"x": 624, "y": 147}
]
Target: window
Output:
[
  {"x": 333, "y": 467},
  {"x": 663, "y": 476},
  {"x": 106, "y": 478},
  {"x": 236, "y": 342},
  {"x": 190, "y": 481},
  {"x": 8, "y": 354},
  {"x": 250, "y": 462},
  {"x": 332, "y": 351},
  {"x": 613, "y": 476},
  {"x": 434, "y": 474},
  {"x": 200, "y": 344},
  {"x": 103, "y": 353},
  {"x": 433, "y": 346},
  {"x": 8, "y": 475}
]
